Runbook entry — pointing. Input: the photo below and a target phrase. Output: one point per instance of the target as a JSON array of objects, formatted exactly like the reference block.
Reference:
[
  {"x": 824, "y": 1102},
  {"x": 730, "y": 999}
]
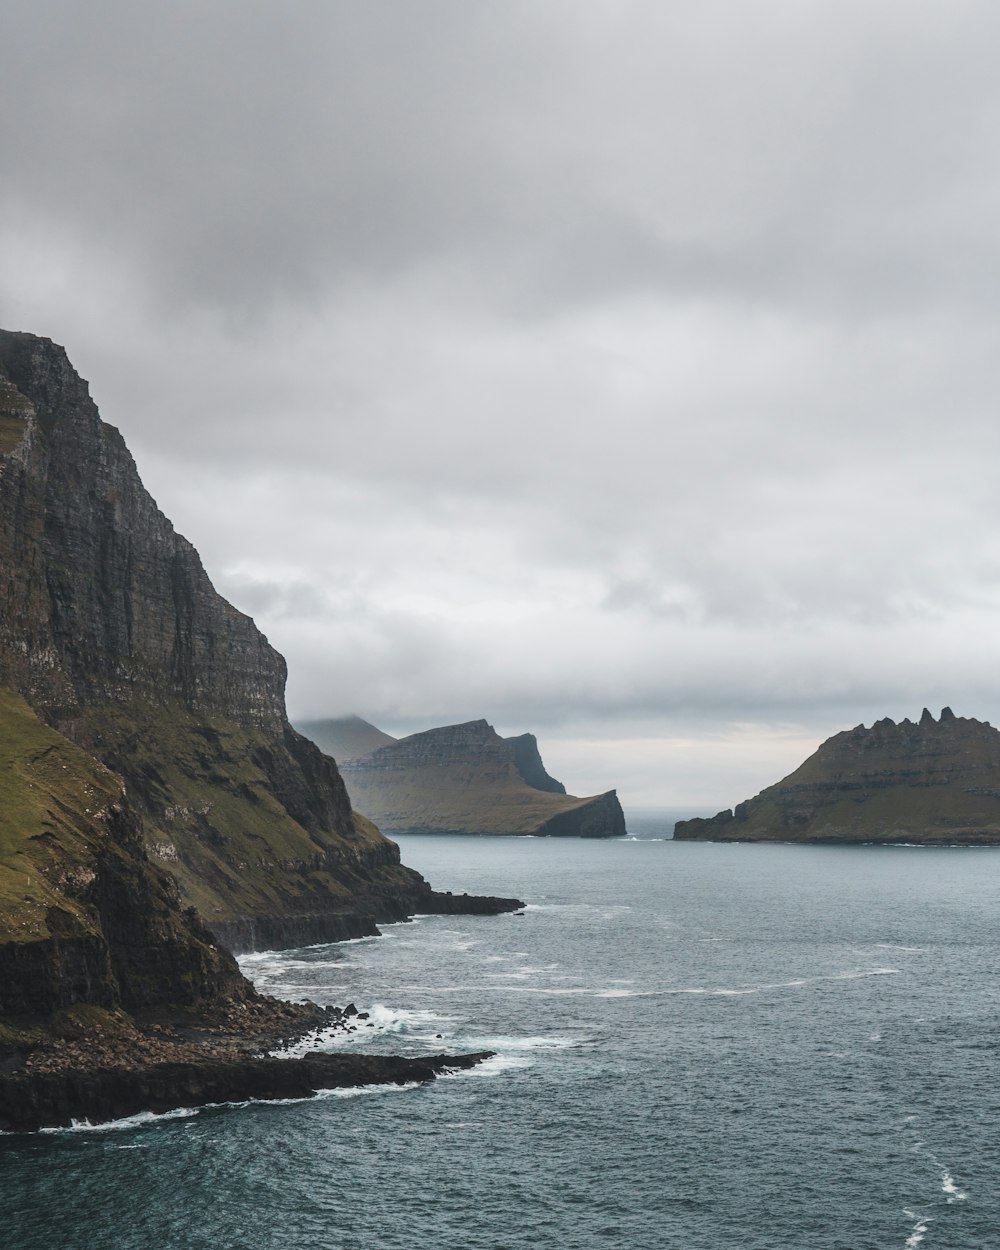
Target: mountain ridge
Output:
[
  {"x": 465, "y": 778},
  {"x": 928, "y": 781}
]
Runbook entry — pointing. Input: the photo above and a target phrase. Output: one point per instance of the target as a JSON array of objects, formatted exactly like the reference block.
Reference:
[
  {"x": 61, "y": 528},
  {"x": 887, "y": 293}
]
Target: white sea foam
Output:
[
  {"x": 360, "y": 1091},
  {"x": 138, "y": 1120},
  {"x": 496, "y": 1065},
  {"x": 919, "y": 1229},
  {"x": 420, "y": 1025},
  {"x": 950, "y": 1187}
]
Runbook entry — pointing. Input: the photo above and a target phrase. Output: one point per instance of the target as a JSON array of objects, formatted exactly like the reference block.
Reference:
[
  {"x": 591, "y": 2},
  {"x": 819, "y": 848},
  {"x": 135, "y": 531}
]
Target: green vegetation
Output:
[
  {"x": 217, "y": 803},
  {"x": 53, "y": 803},
  {"x": 13, "y": 410},
  {"x": 935, "y": 781}
]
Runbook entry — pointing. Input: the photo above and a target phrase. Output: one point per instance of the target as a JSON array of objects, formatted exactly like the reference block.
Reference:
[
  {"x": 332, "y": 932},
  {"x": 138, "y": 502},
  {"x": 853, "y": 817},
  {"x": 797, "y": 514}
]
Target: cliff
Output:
[
  {"x": 934, "y": 781},
  {"x": 85, "y": 918},
  {"x": 112, "y": 632},
  {"x": 467, "y": 779}
]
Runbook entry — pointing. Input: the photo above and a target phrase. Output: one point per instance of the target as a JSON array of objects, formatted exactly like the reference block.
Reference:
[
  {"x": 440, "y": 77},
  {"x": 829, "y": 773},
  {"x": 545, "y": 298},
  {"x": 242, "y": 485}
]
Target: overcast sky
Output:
[{"x": 622, "y": 371}]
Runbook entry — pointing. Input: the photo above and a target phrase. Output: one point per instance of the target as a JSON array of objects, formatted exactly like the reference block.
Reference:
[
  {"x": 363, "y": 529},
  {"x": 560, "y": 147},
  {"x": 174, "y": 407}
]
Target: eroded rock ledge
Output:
[
  {"x": 31, "y": 1101},
  {"x": 95, "y": 1066}
]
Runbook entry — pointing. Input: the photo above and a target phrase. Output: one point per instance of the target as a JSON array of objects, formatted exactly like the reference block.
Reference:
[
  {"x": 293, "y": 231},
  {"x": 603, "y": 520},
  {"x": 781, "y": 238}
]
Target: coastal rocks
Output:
[
  {"x": 29, "y": 1102},
  {"x": 934, "y": 782},
  {"x": 142, "y": 718},
  {"x": 467, "y": 779},
  {"x": 85, "y": 918}
]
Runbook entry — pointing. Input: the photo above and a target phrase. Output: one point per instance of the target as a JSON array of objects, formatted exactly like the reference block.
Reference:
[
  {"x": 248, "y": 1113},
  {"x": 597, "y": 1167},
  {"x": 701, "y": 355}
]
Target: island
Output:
[
  {"x": 934, "y": 782},
  {"x": 460, "y": 779}
]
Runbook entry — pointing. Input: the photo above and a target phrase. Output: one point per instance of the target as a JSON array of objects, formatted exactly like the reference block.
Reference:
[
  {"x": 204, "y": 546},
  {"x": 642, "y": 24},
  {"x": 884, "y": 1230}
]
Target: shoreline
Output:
[{"x": 115, "y": 1066}]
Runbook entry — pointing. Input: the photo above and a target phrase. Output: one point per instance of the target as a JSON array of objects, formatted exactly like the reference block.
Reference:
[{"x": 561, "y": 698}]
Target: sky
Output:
[{"x": 618, "y": 371}]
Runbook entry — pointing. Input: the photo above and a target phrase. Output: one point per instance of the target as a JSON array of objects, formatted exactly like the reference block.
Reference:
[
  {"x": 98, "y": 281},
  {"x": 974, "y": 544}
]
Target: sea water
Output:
[{"x": 697, "y": 1047}]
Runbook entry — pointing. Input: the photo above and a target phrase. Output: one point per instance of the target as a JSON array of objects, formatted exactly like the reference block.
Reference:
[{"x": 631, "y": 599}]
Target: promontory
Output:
[
  {"x": 153, "y": 797},
  {"x": 460, "y": 779}
]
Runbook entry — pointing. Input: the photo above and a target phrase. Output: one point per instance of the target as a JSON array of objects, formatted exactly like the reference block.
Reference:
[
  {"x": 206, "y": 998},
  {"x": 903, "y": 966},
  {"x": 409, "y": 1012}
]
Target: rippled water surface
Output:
[{"x": 698, "y": 1047}]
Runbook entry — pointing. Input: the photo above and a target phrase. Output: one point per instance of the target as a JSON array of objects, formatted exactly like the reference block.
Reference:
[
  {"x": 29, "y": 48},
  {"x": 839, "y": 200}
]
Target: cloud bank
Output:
[{"x": 622, "y": 372}]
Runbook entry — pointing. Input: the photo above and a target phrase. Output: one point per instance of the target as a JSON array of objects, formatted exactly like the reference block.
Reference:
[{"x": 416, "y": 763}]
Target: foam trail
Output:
[
  {"x": 139, "y": 1120},
  {"x": 949, "y": 1186},
  {"x": 919, "y": 1229}
]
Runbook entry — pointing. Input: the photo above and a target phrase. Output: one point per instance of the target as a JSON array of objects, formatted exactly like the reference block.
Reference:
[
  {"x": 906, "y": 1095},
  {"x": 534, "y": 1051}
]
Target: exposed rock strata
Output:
[
  {"x": 113, "y": 633},
  {"x": 934, "y": 781},
  {"x": 467, "y": 779}
]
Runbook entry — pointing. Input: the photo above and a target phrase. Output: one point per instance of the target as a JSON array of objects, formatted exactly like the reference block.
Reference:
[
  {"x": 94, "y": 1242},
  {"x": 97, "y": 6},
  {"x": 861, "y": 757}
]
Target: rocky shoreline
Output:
[{"x": 114, "y": 1066}]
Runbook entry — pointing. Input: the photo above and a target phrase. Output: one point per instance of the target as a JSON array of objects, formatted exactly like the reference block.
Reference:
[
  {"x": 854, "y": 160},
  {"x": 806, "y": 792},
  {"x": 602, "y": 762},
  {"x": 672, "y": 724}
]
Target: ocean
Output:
[{"x": 699, "y": 1047}]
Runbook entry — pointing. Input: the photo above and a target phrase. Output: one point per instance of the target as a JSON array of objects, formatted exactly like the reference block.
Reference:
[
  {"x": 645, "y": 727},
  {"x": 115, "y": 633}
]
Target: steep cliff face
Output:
[
  {"x": 85, "y": 918},
  {"x": 529, "y": 764},
  {"x": 467, "y": 779},
  {"x": 934, "y": 781},
  {"x": 113, "y": 633}
]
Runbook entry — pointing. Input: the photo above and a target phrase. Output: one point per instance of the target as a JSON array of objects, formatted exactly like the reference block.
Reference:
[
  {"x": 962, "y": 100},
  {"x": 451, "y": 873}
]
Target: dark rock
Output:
[
  {"x": 929, "y": 782},
  {"x": 113, "y": 633},
  {"x": 47, "y": 1100}
]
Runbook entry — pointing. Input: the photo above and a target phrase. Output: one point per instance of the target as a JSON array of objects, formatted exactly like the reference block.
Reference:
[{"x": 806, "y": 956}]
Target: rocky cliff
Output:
[
  {"x": 933, "y": 781},
  {"x": 467, "y": 779},
  {"x": 111, "y": 630},
  {"x": 85, "y": 918}
]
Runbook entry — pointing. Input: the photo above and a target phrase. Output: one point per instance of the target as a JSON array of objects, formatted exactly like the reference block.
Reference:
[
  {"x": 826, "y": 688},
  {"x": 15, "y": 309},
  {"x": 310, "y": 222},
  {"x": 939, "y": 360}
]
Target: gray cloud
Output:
[{"x": 623, "y": 371}]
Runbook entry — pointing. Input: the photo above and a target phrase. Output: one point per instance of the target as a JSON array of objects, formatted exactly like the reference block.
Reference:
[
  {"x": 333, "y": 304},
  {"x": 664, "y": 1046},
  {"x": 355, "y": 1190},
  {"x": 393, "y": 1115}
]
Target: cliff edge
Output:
[
  {"x": 112, "y": 632},
  {"x": 467, "y": 779},
  {"x": 930, "y": 781}
]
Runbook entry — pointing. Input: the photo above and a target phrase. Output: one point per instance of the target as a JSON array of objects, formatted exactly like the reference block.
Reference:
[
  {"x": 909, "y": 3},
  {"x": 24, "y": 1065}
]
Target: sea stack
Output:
[{"x": 930, "y": 781}]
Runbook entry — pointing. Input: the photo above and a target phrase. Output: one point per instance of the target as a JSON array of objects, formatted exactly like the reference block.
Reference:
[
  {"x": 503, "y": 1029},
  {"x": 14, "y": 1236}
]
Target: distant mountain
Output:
[
  {"x": 345, "y": 737},
  {"x": 467, "y": 779},
  {"x": 934, "y": 781},
  {"x": 530, "y": 766}
]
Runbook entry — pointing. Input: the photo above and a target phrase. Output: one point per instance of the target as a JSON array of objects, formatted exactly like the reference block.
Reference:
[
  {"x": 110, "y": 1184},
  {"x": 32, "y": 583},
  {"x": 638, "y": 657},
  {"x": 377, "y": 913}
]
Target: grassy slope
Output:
[
  {"x": 52, "y": 796},
  {"x": 213, "y": 820},
  {"x": 945, "y": 791},
  {"x": 457, "y": 796}
]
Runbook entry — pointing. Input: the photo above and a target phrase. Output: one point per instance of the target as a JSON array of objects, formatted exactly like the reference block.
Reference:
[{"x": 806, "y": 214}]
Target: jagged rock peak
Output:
[{"x": 930, "y": 781}]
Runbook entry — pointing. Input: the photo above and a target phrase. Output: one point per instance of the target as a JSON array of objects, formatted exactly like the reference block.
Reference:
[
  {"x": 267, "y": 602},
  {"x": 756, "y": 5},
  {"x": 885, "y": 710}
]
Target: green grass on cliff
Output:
[
  {"x": 13, "y": 410},
  {"x": 52, "y": 795},
  {"x": 11, "y": 432},
  {"x": 214, "y": 820},
  {"x": 465, "y": 796}
]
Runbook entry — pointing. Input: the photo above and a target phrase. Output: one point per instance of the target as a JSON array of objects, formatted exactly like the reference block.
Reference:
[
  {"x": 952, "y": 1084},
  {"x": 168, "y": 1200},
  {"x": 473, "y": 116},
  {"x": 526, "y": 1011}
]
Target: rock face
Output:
[
  {"x": 112, "y": 632},
  {"x": 934, "y": 781},
  {"x": 467, "y": 779},
  {"x": 85, "y": 918}
]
